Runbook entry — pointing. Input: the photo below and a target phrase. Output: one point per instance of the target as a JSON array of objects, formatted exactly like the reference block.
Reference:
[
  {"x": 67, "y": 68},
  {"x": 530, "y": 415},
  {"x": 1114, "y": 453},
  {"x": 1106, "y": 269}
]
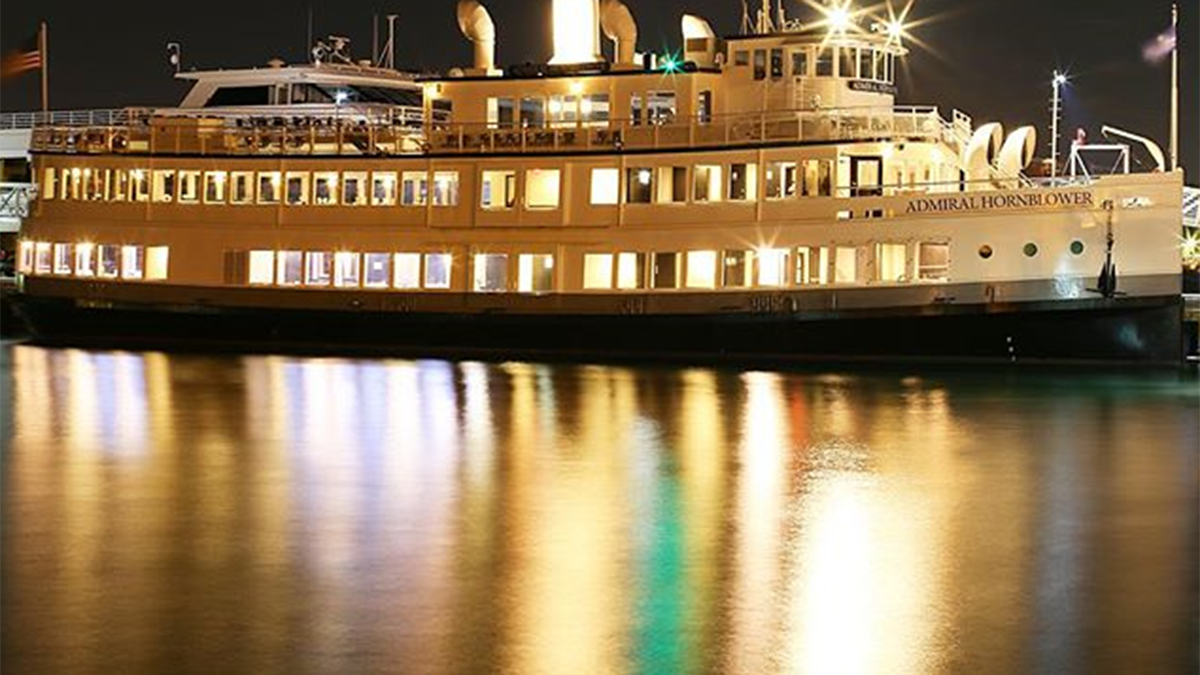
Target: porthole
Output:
[
  {"x": 1031, "y": 250},
  {"x": 985, "y": 251},
  {"x": 1077, "y": 247}
]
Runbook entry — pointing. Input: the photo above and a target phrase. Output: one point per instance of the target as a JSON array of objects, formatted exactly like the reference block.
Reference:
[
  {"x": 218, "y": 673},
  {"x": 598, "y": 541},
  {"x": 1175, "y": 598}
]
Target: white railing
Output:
[
  {"x": 15, "y": 199},
  {"x": 1191, "y": 207}
]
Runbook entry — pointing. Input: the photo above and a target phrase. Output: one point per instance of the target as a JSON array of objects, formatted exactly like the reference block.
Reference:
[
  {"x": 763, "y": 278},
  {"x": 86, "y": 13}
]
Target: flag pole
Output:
[
  {"x": 1175, "y": 88},
  {"x": 45, "y": 61}
]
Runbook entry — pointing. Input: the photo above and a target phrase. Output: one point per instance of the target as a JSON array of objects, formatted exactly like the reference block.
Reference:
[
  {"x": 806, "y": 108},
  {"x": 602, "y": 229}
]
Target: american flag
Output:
[
  {"x": 1160, "y": 48},
  {"x": 24, "y": 59}
]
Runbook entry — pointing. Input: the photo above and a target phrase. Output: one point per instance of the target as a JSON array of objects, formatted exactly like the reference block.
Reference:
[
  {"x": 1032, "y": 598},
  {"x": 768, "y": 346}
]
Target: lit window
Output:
[
  {"x": 44, "y": 258},
  {"x": 605, "y": 186},
  {"x": 318, "y": 268},
  {"x": 781, "y": 180},
  {"x": 407, "y": 271},
  {"x": 772, "y": 266},
  {"x": 535, "y": 273},
  {"x": 737, "y": 269},
  {"x": 639, "y": 185},
  {"x": 242, "y": 189},
  {"x": 85, "y": 260},
  {"x": 133, "y": 261},
  {"x": 672, "y": 185},
  {"x": 164, "y": 186},
  {"x": 437, "y": 270},
  {"x": 262, "y": 268},
  {"x": 845, "y": 265},
  {"x": 62, "y": 258},
  {"x": 325, "y": 188},
  {"x": 542, "y": 188},
  {"x": 597, "y": 271},
  {"x": 189, "y": 187},
  {"x": 214, "y": 187},
  {"x": 445, "y": 188},
  {"x": 701, "y": 269},
  {"x": 377, "y": 270},
  {"x": 743, "y": 182},
  {"x": 891, "y": 262},
  {"x": 706, "y": 181},
  {"x": 933, "y": 261},
  {"x": 499, "y": 190},
  {"x": 297, "y": 189},
  {"x": 490, "y": 272},
  {"x": 415, "y": 188},
  {"x": 354, "y": 188},
  {"x": 290, "y": 268},
  {"x": 157, "y": 263},
  {"x": 383, "y": 188},
  {"x": 110, "y": 261},
  {"x": 631, "y": 271},
  {"x": 269, "y": 185},
  {"x": 346, "y": 270}
]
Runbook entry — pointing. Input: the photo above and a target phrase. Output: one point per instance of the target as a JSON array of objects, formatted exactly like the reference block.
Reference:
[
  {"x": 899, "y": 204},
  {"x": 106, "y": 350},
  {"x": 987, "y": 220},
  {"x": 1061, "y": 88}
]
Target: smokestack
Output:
[
  {"x": 477, "y": 26},
  {"x": 620, "y": 27},
  {"x": 576, "y": 32}
]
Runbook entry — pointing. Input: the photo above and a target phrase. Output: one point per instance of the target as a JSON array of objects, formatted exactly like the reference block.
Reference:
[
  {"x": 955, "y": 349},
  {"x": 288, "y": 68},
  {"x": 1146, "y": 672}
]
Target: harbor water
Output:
[{"x": 224, "y": 513}]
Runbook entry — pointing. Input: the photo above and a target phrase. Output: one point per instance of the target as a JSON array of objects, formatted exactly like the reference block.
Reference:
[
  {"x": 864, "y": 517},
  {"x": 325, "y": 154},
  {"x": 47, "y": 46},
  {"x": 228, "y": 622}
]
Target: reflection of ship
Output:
[{"x": 762, "y": 194}]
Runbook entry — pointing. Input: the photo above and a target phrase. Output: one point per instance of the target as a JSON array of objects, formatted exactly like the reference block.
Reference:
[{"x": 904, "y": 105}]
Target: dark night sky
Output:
[{"x": 993, "y": 57}]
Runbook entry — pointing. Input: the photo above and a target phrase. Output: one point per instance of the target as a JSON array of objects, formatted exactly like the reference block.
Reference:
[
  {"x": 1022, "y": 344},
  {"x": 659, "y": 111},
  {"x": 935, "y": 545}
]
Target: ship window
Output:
[
  {"x": 776, "y": 64},
  {"x": 268, "y": 187},
  {"x": 49, "y": 183},
  {"x": 639, "y": 185},
  {"x": 110, "y": 261},
  {"x": 743, "y": 182},
  {"x": 845, "y": 265},
  {"x": 491, "y": 272},
  {"x": 157, "y": 262},
  {"x": 706, "y": 182},
  {"x": 542, "y": 188},
  {"x": 262, "y": 268},
  {"x": 933, "y": 261},
  {"x": 164, "y": 185},
  {"x": 660, "y": 107},
  {"x": 800, "y": 63},
  {"x": 760, "y": 64},
  {"x": 781, "y": 180},
  {"x": 120, "y": 186},
  {"x": 445, "y": 188},
  {"x": 772, "y": 266},
  {"x": 605, "y": 188},
  {"x": 290, "y": 266},
  {"x": 325, "y": 188},
  {"x": 383, "y": 188},
  {"x": 672, "y": 185},
  {"x": 702, "y": 269},
  {"x": 414, "y": 189},
  {"x": 214, "y": 187},
  {"x": 437, "y": 270},
  {"x": 318, "y": 268},
  {"x": 499, "y": 190},
  {"x": 407, "y": 268},
  {"x": 501, "y": 112},
  {"x": 346, "y": 269},
  {"x": 736, "y": 268},
  {"x": 535, "y": 273},
  {"x": 85, "y": 260},
  {"x": 846, "y": 62},
  {"x": 242, "y": 191},
  {"x": 43, "y": 259},
  {"x": 741, "y": 58},
  {"x": 533, "y": 112},
  {"x": 564, "y": 110},
  {"x": 594, "y": 110},
  {"x": 189, "y": 186},
  {"x": 377, "y": 270},
  {"x": 891, "y": 262},
  {"x": 631, "y": 271},
  {"x": 297, "y": 188},
  {"x": 597, "y": 271},
  {"x": 133, "y": 261},
  {"x": 354, "y": 188},
  {"x": 824, "y": 62},
  {"x": 62, "y": 258}
]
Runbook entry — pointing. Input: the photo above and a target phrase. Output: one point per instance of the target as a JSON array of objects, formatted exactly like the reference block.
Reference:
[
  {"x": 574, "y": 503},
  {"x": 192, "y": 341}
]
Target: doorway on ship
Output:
[{"x": 866, "y": 176}]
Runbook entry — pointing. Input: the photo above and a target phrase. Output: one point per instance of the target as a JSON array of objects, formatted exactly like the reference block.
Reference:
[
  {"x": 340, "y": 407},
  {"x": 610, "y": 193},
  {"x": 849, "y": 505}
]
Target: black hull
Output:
[{"x": 1126, "y": 330}]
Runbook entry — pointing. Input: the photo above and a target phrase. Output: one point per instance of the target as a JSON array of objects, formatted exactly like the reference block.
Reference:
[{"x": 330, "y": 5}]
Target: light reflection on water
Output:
[{"x": 184, "y": 513}]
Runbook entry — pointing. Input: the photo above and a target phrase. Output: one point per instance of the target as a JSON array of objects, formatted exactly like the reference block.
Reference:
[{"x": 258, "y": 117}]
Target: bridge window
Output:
[
  {"x": 597, "y": 271},
  {"x": 377, "y": 270},
  {"x": 383, "y": 188},
  {"x": 414, "y": 189},
  {"x": 262, "y": 268},
  {"x": 437, "y": 270},
  {"x": 535, "y": 273},
  {"x": 606, "y": 186},
  {"x": 542, "y": 188},
  {"x": 354, "y": 188},
  {"x": 110, "y": 261},
  {"x": 445, "y": 188},
  {"x": 214, "y": 187},
  {"x": 891, "y": 263},
  {"x": 407, "y": 268},
  {"x": 85, "y": 260},
  {"x": 325, "y": 185},
  {"x": 499, "y": 190},
  {"x": 491, "y": 272},
  {"x": 702, "y": 269},
  {"x": 933, "y": 261},
  {"x": 133, "y": 262},
  {"x": 290, "y": 268}
]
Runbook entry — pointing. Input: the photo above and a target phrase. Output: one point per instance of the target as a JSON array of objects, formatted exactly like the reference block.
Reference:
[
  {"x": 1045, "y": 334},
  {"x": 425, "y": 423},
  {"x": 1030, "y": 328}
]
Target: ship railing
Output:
[
  {"x": 71, "y": 118},
  {"x": 352, "y": 133},
  {"x": 15, "y": 199}
]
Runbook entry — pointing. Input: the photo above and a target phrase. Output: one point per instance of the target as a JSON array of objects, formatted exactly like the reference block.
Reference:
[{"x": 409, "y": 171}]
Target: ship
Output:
[{"x": 756, "y": 195}]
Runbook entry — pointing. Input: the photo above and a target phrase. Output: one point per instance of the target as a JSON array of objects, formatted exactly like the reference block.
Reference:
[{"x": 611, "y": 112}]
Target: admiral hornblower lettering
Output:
[{"x": 1001, "y": 201}]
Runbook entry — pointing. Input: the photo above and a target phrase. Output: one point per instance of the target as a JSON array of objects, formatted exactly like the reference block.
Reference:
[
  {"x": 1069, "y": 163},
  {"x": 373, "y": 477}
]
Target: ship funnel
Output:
[
  {"x": 699, "y": 41},
  {"x": 476, "y": 25},
  {"x": 981, "y": 153},
  {"x": 576, "y": 32},
  {"x": 1017, "y": 152},
  {"x": 619, "y": 26}
]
